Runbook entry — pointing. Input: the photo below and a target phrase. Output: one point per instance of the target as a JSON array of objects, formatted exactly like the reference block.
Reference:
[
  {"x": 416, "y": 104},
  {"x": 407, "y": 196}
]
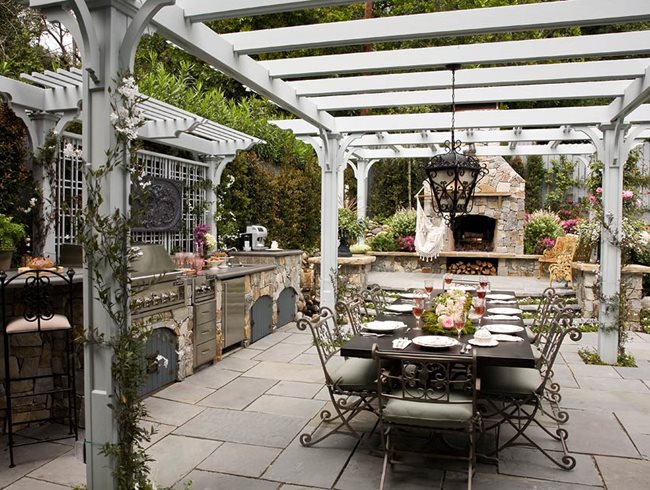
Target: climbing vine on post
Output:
[{"x": 106, "y": 241}]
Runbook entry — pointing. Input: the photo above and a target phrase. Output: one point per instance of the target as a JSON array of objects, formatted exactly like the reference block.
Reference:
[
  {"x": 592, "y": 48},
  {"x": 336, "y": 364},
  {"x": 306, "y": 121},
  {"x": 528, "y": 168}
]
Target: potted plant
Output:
[
  {"x": 350, "y": 228},
  {"x": 10, "y": 234}
]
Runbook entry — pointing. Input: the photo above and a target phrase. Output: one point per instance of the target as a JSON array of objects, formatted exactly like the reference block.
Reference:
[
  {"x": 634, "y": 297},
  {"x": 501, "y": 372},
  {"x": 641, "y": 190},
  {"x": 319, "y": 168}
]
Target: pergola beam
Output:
[
  {"x": 434, "y": 25},
  {"x": 201, "y": 41},
  {"x": 588, "y": 71},
  {"x": 200, "y": 10},
  {"x": 635, "y": 94},
  {"x": 489, "y": 150},
  {"x": 554, "y": 91},
  {"x": 599, "y": 45}
]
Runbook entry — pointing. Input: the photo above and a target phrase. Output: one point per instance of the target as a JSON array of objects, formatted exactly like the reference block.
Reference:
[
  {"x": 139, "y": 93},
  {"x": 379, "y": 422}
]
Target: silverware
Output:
[{"x": 369, "y": 334}]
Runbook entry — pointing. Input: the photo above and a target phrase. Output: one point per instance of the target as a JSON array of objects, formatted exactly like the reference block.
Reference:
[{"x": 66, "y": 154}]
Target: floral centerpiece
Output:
[{"x": 440, "y": 319}]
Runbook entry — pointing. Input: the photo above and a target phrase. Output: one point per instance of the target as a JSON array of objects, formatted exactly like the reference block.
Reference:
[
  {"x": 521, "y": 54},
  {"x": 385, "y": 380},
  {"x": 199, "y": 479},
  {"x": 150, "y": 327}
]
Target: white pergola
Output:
[{"x": 314, "y": 88}]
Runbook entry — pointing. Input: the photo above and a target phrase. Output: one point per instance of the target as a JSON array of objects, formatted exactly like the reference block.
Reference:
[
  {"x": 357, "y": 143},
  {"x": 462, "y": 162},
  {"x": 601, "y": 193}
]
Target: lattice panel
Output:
[{"x": 188, "y": 172}]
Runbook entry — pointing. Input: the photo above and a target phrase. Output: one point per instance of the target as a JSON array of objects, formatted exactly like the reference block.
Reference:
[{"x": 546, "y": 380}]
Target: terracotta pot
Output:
[{"x": 5, "y": 259}]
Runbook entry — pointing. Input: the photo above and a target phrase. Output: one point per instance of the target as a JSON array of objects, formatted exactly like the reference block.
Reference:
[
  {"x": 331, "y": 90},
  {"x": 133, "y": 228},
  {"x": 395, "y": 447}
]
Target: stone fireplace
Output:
[{"x": 496, "y": 221}]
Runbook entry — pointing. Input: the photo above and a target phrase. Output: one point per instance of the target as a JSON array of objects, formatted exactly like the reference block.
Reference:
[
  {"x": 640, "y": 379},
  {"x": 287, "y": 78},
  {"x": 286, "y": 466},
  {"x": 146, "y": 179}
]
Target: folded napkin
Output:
[
  {"x": 501, "y": 337},
  {"x": 402, "y": 343},
  {"x": 501, "y": 317},
  {"x": 503, "y": 301}
]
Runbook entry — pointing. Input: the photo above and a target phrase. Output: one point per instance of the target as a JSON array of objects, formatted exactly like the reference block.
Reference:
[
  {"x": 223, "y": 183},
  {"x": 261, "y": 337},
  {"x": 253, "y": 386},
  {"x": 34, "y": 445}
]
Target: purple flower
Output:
[{"x": 200, "y": 231}]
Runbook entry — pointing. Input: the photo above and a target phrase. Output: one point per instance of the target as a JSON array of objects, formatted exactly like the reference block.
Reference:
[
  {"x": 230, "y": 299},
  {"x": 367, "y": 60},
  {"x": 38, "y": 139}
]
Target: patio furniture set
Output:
[{"x": 426, "y": 395}]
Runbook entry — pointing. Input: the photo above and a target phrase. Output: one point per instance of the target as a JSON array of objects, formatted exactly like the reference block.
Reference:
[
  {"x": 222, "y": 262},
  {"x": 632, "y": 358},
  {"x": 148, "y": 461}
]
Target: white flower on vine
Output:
[
  {"x": 69, "y": 151},
  {"x": 162, "y": 361}
]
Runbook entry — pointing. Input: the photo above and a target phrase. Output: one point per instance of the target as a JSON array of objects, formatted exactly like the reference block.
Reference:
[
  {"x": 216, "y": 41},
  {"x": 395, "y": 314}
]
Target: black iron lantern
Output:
[{"x": 453, "y": 176}]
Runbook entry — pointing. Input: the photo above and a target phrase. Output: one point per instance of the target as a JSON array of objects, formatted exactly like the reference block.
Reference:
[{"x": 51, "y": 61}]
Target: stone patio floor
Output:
[{"x": 235, "y": 425}]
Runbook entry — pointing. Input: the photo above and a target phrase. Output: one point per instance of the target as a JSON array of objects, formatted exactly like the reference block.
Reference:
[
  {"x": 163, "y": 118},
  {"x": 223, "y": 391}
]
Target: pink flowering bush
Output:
[
  {"x": 406, "y": 243},
  {"x": 544, "y": 243},
  {"x": 570, "y": 225}
]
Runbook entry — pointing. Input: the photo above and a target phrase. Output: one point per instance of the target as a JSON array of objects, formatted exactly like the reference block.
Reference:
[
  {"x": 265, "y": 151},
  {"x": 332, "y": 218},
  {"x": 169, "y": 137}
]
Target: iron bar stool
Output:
[{"x": 35, "y": 311}]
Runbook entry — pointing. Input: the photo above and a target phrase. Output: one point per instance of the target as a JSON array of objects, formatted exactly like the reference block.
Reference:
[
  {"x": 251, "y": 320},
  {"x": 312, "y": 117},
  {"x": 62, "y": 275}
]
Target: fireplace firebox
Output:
[{"x": 474, "y": 233}]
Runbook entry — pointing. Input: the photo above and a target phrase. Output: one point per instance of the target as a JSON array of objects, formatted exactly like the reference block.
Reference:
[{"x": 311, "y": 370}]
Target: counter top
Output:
[
  {"x": 237, "y": 271},
  {"x": 269, "y": 253},
  {"x": 79, "y": 275}
]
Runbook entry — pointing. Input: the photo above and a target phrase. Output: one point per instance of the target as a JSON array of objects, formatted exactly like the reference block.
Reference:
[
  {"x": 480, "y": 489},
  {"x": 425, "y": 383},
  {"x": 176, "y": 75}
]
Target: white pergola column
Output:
[
  {"x": 361, "y": 171},
  {"x": 217, "y": 164},
  {"x": 340, "y": 187}
]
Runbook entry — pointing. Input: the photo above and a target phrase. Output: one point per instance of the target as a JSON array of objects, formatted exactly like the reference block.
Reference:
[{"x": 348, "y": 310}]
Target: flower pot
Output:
[
  {"x": 344, "y": 250},
  {"x": 5, "y": 259}
]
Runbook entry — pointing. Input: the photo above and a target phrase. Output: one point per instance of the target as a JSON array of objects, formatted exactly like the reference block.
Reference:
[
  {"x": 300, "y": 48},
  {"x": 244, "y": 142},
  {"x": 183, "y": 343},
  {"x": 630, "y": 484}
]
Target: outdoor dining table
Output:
[{"x": 517, "y": 354}]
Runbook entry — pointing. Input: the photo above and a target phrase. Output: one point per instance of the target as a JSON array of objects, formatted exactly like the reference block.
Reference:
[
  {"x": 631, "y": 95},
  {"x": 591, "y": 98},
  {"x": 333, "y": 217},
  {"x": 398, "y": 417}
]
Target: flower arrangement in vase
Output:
[{"x": 439, "y": 320}]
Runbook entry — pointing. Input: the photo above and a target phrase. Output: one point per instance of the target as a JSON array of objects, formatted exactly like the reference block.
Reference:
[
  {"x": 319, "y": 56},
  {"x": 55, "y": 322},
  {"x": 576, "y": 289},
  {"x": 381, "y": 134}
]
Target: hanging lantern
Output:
[{"x": 453, "y": 176}]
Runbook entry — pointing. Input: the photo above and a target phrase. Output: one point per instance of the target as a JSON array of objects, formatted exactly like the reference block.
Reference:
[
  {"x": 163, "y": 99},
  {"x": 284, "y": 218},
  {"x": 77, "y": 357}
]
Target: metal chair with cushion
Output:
[
  {"x": 376, "y": 296},
  {"x": 427, "y": 392},
  {"x": 516, "y": 397},
  {"x": 351, "y": 385},
  {"x": 29, "y": 305},
  {"x": 354, "y": 312}
]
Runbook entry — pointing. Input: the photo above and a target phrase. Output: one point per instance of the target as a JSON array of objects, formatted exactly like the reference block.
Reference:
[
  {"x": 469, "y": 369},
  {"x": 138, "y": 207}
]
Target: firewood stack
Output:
[{"x": 476, "y": 267}]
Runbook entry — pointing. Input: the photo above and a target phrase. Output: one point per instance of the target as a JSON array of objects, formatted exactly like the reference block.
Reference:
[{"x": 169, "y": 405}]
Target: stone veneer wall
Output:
[
  {"x": 585, "y": 281},
  {"x": 499, "y": 195},
  {"x": 355, "y": 268},
  {"x": 508, "y": 265}
]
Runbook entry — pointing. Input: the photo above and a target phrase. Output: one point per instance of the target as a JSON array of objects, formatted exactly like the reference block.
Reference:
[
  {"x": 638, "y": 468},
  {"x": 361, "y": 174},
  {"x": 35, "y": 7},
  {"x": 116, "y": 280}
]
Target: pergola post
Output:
[
  {"x": 340, "y": 186},
  {"x": 613, "y": 156},
  {"x": 361, "y": 172},
  {"x": 217, "y": 164}
]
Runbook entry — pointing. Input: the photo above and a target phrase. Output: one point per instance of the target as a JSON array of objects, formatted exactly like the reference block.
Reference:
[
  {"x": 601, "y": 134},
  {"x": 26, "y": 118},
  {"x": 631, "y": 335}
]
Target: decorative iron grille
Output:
[{"x": 190, "y": 173}]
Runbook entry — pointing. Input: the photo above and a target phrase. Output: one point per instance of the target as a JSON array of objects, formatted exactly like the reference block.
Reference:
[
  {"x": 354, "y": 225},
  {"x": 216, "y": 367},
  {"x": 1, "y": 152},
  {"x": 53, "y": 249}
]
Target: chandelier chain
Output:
[{"x": 453, "y": 107}]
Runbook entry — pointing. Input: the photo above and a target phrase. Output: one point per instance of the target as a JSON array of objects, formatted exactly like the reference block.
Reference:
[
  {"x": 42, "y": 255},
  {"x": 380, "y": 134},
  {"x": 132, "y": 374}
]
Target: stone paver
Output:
[
  {"x": 27, "y": 459},
  {"x": 284, "y": 405},
  {"x": 240, "y": 459},
  {"x": 261, "y": 429},
  {"x": 239, "y": 393},
  {"x": 212, "y": 377},
  {"x": 175, "y": 456},
  {"x": 184, "y": 392},
  {"x": 598, "y": 433},
  {"x": 206, "y": 480},
  {"x": 65, "y": 470},
  {"x": 295, "y": 389},
  {"x": 287, "y": 372},
  {"x": 624, "y": 474},
  {"x": 604, "y": 400},
  {"x": 607, "y": 384},
  {"x": 236, "y": 364},
  {"x": 299, "y": 338},
  {"x": 281, "y": 352},
  {"x": 270, "y": 340},
  {"x": 587, "y": 370},
  {"x": 32, "y": 484},
  {"x": 169, "y": 412}
]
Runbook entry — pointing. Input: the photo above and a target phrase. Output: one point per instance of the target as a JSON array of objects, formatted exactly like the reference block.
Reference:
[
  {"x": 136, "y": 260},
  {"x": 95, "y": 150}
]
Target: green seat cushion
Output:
[
  {"x": 430, "y": 414},
  {"x": 356, "y": 375},
  {"x": 510, "y": 380}
]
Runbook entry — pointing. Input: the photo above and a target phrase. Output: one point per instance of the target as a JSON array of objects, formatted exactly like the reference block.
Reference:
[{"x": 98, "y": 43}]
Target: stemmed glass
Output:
[
  {"x": 483, "y": 282},
  {"x": 479, "y": 308},
  {"x": 481, "y": 292},
  {"x": 459, "y": 322},
  {"x": 428, "y": 287},
  {"x": 447, "y": 279},
  {"x": 418, "y": 309}
]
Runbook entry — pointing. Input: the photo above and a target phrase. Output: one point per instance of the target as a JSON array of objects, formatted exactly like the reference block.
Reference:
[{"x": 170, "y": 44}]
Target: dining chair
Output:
[
  {"x": 430, "y": 393},
  {"x": 516, "y": 397},
  {"x": 376, "y": 296},
  {"x": 351, "y": 385},
  {"x": 549, "y": 296},
  {"x": 30, "y": 305},
  {"x": 354, "y": 312}
]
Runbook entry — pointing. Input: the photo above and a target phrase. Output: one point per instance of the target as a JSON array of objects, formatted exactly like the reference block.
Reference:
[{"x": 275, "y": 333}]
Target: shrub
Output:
[
  {"x": 350, "y": 228},
  {"x": 359, "y": 249},
  {"x": 403, "y": 222},
  {"x": 384, "y": 241},
  {"x": 540, "y": 224},
  {"x": 10, "y": 233}
]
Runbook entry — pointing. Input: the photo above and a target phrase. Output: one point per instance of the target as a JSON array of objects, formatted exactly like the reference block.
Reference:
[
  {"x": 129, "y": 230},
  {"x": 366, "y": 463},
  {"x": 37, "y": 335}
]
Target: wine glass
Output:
[
  {"x": 483, "y": 282},
  {"x": 459, "y": 322},
  {"x": 479, "y": 308},
  {"x": 481, "y": 292},
  {"x": 448, "y": 278},
  {"x": 428, "y": 287},
  {"x": 418, "y": 309}
]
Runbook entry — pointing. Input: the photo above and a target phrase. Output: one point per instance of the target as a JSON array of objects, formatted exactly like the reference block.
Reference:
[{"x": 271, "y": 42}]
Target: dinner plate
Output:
[
  {"x": 504, "y": 328},
  {"x": 505, "y": 311},
  {"x": 383, "y": 326},
  {"x": 413, "y": 295},
  {"x": 507, "y": 318},
  {"x": 500, "y": 296},
  {"x": 463, "y": 287},
  {"x": 435, "y": 341},
  {"x": 400, "y": 308},
  {"x": 492, "y": 343}
]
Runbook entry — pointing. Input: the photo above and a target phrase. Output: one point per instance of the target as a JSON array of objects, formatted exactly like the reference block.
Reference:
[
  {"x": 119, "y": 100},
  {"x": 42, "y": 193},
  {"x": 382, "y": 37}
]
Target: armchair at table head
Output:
[
  {"x": 30, "y": 304},
  {"x": 350, "y": 382}
]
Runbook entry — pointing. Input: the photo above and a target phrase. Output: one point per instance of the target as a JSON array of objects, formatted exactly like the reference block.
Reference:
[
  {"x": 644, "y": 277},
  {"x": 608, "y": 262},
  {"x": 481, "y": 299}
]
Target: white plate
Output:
[
  {"x": 383, "y": 326},
  {"x": 413, "y": 295},
  {"x": 503, "y": 328},
  {"x": 492, "y": 343},
  {"x": 435, "y": 341},
  {"x": 507, "y": 318},
  {"x": 505, "y": 311},
  {"x": 400, "y": 308},
  {"x": 500, "y": 296},
  {"x": 462, "y": 287}
]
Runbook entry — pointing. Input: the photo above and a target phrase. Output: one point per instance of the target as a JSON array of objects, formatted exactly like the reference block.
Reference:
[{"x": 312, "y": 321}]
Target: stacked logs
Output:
[{"x": 476, "y": 267}]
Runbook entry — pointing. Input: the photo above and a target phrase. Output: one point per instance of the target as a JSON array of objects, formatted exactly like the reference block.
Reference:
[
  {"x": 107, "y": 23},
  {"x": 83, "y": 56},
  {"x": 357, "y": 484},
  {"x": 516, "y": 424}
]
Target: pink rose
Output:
[
  {"x": 628, "y": 194},
  {"x": 446, "y": 321},
  {"x": 592, "y": 198},
  {"x": 599, "y": 190}
]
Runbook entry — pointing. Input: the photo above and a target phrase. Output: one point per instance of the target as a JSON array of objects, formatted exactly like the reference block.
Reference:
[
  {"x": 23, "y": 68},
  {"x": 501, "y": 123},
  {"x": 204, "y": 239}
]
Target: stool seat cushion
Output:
[
  {"x": 510, "y": 380},
  {"x": 20, "y": 325}
]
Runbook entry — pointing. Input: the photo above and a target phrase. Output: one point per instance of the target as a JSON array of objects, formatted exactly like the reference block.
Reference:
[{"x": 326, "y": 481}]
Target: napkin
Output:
[
  {"x": 402, "y": 343},
  {"x": 503, "y": 301},
  {"x": 501, "y": 317},
  {"x": 506, "y": 338}
]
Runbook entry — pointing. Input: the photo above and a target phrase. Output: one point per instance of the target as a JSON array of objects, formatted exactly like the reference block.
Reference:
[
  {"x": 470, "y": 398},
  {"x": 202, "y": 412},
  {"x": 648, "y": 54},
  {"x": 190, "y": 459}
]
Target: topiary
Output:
[{"x": 540, "y": 224}]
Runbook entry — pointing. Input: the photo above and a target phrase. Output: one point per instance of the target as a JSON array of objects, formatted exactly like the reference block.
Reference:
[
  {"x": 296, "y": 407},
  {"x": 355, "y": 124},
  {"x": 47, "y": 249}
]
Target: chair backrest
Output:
[
  {"x": 561, "y": 326},
  {"x": 354, "y": 312},
  {"x": 34, "y": 296},
  {"x": 327, "y": 336},
  {"x": 377, "y": 296},
  {"x": 549, "y": 297},
  {"x": 426, "y": 378}
]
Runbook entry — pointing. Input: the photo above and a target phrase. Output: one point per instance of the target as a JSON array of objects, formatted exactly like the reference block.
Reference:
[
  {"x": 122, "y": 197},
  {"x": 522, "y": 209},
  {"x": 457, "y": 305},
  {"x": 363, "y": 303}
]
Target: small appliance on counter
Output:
[{"x": 257, "y": 235}]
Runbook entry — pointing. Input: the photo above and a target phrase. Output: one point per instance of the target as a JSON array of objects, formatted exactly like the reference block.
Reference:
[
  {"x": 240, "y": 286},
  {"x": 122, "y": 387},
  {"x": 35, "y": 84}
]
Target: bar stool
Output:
[{"x": 36, "y": 309}]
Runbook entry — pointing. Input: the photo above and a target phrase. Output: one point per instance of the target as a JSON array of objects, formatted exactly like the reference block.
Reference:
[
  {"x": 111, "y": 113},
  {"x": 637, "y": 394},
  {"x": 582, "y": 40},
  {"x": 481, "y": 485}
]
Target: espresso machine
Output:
[{"x": 257, "y": 235}]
